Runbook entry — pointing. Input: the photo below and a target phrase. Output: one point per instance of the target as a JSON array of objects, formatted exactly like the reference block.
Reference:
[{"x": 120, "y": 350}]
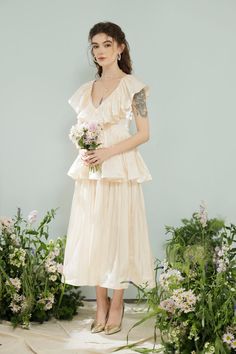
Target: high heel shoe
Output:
[
  {"x": 110, "y": 329},
  {"x": 99, "y": 327}
]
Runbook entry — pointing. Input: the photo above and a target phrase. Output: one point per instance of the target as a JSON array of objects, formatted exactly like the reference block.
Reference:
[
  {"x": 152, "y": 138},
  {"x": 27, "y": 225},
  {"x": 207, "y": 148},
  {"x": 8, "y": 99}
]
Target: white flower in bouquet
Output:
[{"x": 87, "y": 136}]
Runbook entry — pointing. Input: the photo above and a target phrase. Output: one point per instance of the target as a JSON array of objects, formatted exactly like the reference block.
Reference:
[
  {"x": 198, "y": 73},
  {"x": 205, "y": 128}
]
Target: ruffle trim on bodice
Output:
[
  {"x": 118, "y": 168},
  {"x": 115, "y": 106},
  {"x": 80, "y": 97}
]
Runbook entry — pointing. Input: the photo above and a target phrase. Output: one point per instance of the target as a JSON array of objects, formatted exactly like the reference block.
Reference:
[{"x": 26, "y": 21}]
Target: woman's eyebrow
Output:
[{"x": 102, "y": 42}]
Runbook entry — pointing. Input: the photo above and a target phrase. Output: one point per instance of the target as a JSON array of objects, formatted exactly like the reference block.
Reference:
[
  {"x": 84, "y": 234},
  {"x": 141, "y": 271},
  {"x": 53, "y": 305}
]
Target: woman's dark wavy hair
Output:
[{"x": 114, "y": 31}]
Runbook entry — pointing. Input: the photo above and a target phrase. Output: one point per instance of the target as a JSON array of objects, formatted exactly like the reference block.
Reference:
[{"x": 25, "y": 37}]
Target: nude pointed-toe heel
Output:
[
  {"x": 110, "y": 329},
  {"x": 99, "y": 327}
]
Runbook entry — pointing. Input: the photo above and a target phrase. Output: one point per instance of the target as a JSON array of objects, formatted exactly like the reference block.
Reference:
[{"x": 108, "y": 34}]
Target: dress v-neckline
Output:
[{"x": 115, "y": 89}]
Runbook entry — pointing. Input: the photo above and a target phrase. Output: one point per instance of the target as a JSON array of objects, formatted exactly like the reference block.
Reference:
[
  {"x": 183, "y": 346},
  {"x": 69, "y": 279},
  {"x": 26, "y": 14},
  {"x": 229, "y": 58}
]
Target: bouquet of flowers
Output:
[
  {"x": 31, "y": 286},
  {"x": 87, "y": 136},
  {"x": 194, "y": 301}
]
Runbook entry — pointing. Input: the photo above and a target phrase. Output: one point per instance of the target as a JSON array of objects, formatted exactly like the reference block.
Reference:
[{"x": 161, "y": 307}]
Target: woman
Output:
[{"x": 107, "y": 240}]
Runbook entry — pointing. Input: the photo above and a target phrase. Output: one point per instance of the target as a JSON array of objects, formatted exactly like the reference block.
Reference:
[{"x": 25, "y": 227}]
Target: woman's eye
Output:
[{"x": 106, "y": 45}]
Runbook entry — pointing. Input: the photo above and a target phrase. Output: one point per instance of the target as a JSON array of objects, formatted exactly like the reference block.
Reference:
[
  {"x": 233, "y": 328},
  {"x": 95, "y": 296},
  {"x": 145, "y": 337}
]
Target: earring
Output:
[{"x": 118, "y": 56}]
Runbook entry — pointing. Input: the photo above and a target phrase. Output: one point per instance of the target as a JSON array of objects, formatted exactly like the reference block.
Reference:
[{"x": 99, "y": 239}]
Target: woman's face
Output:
[{"x": 105, "y": 49}]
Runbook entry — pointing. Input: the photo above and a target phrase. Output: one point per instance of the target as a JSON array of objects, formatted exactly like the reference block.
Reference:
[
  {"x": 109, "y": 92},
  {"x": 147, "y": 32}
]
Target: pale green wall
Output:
[{"x": 184, "y": 50}]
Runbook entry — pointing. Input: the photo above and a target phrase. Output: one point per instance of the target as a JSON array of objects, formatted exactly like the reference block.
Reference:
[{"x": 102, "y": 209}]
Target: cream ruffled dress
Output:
[{"x": 107, "y": 237}]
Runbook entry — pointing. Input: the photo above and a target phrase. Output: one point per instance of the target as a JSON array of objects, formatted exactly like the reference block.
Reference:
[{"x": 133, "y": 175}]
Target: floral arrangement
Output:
[
  {"x": 87, "y": 135},
  {"x": 30, "y": 272},
  {"x": 194, "y": 301}
]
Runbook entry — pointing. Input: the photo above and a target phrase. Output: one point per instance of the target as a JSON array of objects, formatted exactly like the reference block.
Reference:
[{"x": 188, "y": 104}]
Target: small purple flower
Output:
[{"x": 203, "y": 214}]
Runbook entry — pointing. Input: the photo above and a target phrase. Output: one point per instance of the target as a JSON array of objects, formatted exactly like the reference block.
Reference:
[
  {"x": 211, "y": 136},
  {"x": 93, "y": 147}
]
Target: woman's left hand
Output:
[{"x": 97, "y": 156}]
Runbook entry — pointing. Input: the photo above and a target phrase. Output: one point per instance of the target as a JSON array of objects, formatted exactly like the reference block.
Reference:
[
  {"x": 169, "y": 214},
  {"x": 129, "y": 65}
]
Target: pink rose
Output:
[{"x": 92, "y": 126}]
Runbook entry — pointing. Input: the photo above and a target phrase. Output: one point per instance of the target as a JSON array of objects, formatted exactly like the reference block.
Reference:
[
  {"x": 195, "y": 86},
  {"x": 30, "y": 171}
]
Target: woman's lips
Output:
[{"x": 101, "y": 58}]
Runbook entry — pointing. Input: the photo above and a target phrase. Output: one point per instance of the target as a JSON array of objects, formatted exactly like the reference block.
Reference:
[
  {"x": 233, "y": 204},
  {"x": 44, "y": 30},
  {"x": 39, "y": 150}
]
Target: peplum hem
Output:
[{"x": 119, "y": 168}]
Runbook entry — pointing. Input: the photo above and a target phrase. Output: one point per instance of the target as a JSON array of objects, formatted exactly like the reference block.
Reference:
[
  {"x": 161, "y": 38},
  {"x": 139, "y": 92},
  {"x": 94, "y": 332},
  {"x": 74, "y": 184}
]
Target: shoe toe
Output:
[
  {"x": 96, "y": 327},
  {"x": 110, "y": 329}
]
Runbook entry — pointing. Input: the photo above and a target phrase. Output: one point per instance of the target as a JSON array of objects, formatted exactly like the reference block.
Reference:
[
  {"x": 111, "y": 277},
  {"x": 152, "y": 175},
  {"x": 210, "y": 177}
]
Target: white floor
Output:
[{"x": 62, "y": 337}]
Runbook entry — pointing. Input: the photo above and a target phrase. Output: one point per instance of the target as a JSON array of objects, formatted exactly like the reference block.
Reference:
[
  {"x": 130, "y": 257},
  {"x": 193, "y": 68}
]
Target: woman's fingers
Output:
[{"x": 89, "y": 157}]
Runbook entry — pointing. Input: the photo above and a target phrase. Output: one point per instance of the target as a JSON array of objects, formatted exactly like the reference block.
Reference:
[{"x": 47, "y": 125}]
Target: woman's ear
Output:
[{"x": 122, "y": 46}]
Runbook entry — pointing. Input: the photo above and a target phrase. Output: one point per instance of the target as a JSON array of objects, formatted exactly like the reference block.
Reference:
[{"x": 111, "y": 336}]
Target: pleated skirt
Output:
[{"x": 107, "y": 237}]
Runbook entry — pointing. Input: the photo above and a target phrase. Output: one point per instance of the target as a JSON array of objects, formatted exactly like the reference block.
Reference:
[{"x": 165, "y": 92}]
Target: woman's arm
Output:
[
  {"x": 142, "y": 125},
  {"x": 140, "y": 112}
]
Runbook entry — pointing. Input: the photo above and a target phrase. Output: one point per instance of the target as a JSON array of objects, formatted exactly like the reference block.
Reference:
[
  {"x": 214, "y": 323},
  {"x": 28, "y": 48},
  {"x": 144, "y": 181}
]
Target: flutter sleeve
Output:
[
  {"x": 79, "y": 97},
  {"x": 137, "y": 86},
  {"x": 134, "y": 86}
]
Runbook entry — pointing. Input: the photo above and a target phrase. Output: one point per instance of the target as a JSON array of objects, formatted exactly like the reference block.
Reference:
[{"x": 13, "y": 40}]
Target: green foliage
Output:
[
  {"x": 194, "y": 301},
  {"x": 31, "y": 286}
]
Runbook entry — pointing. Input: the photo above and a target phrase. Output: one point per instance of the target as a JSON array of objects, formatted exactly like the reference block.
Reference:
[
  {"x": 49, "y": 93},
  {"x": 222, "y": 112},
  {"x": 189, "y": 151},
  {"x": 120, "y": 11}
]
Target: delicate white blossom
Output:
[
  {"x": 168, "y": 305},
  {"x": 17, "y": 258},
  {"x": 32, "y": 216},
  {"x": 203, "y": 216},
  {"x": 209, "y": 348},
  {"x": 220, "y": 257},
  {"x": 170, "y": 277},
  {"x": 14, "y": 239},
  {"x": 184, "y": 300},
  {"x": 16, "y": 282},
  {"x": 51, "y": 265},
  {"x": 47, "y": 301},
  {"x": 53, "y": 277},
  {"x": 165, "y": 264},
  {"x": 6, "y": 224},
  {"x": 181, "y": 300},
  {"x": 228, "y": 338},
  {"x": 233, "y": 344},
  {"x": 18, "y": 303}
]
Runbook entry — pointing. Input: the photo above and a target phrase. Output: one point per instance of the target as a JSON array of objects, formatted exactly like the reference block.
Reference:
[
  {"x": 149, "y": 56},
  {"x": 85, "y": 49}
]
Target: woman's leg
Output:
[
  {"x": 102, "y": 304},
  {"x": 115, "y": 312}
]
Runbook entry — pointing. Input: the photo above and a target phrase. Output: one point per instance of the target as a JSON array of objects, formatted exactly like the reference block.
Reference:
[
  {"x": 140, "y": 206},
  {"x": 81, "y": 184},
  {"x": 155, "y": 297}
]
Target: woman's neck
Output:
[{"x": 111, "y": 72}]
